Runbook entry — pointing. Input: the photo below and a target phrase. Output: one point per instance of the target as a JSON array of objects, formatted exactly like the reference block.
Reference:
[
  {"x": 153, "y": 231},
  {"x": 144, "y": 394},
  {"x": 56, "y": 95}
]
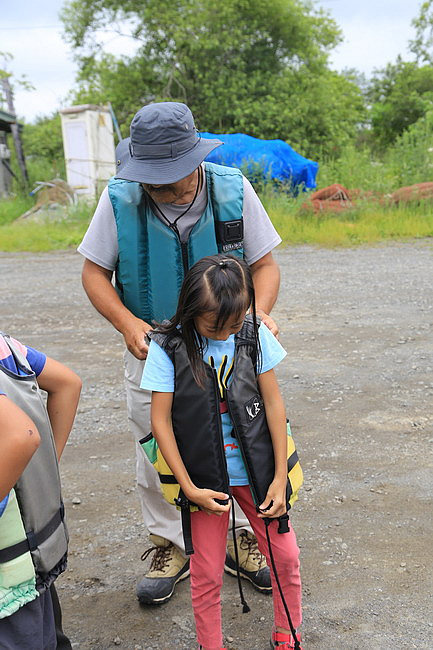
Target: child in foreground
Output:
[
  {"x": 33, "y": 535},
  {"x": 220, "y": 425}
]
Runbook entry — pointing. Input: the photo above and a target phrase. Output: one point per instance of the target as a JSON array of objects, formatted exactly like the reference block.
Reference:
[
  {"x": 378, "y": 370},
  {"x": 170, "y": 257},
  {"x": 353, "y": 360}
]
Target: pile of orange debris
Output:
[{"x": 336, "y": 197}]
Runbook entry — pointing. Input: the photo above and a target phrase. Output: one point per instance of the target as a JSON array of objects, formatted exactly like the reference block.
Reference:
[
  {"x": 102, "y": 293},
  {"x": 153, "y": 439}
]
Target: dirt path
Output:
[{"x": 358, "y": 385}]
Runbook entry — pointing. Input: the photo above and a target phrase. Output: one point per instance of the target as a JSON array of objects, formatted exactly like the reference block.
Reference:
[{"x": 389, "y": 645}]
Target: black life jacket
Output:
[{"x": 197, "y": 422}]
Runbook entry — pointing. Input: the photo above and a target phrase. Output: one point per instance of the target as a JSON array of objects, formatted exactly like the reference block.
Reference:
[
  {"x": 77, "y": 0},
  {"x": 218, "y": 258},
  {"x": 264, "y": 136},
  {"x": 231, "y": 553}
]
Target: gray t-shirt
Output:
[{"x": 100, "y": 246}]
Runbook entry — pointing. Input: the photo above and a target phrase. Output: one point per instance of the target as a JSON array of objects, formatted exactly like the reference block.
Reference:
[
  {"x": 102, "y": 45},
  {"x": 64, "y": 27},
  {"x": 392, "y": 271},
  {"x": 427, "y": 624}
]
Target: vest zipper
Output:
[
  {"x": 238, "y": 439},
  {"x": 185, "y": 260},
  {"x": 220, "y": 430}
]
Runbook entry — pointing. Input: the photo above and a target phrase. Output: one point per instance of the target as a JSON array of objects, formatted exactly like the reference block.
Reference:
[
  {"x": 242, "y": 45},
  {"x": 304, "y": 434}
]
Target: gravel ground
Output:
[{"x": 358, "y": 385}]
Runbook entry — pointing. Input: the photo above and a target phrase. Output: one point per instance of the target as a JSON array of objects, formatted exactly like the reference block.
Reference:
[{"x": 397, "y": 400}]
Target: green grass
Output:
[
  {"x": 368, "y": 223},
  {"x": 47, "y": 235},
  {"x": 10, "y": 209}
]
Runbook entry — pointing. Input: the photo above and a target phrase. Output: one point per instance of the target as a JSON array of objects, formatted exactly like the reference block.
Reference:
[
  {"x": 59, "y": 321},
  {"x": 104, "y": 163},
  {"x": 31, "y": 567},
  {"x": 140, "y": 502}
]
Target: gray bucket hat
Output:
[
  {"x": 164, "y": 145},
  {"x": 122, "y": 154}
]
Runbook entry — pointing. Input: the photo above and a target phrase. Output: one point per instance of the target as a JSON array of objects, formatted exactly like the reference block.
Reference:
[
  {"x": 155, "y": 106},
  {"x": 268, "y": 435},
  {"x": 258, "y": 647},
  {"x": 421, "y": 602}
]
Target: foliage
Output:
[
  {"x": 43, "y": 146},
  {"x": 122, "y": 81},
  {"x": 422, "y": 45},
  {"x": 356, "y": 168},
  {"x": 35, "y": 236},
  {"x": 23, "y": 82},
  {"x": 11, "y": 209},
  {"x": 369, "y": 223},
  {"x": 408, "y": 161},
  {"x": 399, "y": 95},
  {"x": 411, "y": 158},
  {"x": 252, "y": 66}
]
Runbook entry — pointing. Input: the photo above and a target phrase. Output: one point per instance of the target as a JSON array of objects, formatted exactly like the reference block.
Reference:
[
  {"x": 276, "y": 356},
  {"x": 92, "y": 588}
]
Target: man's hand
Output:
[
  {"x": 103, "y": 296},
  {"x": 268, "y": 321},
  {"x": 266, "y": 279},
  {"x": 135, "y": 337}
]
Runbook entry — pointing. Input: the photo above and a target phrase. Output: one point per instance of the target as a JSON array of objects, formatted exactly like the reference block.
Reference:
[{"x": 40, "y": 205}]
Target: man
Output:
[{"x": 163, "y": 211}]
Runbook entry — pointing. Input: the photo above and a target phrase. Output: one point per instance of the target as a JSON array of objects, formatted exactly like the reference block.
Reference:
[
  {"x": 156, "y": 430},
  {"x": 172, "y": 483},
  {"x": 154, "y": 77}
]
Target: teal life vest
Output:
[{"x": 152, "y": 260}]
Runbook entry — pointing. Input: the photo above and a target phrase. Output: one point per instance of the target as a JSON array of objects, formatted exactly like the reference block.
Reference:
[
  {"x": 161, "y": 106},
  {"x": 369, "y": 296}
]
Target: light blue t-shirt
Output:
[
  {"x": 158, "y": 375},
  {"x": 3, "y": 504}
]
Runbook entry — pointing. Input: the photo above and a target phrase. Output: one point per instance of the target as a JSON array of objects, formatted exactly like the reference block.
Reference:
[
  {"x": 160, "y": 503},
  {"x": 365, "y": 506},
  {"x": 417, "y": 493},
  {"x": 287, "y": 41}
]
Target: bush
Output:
[{"x": 410, "y": 160}]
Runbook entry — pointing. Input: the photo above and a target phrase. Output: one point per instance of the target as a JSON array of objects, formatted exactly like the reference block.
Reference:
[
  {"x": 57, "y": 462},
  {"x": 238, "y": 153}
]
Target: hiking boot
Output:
[
  {"x": 252, "y": 564},
  {"x": 168, "y": 566},
  {"x": 284, "y": 641}
]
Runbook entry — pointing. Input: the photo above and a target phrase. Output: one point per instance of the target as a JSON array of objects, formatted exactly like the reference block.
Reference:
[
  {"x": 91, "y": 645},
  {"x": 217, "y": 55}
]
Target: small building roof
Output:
[
  {"x": 84, "y": 107},
  {"x": 6, "y": 119}
]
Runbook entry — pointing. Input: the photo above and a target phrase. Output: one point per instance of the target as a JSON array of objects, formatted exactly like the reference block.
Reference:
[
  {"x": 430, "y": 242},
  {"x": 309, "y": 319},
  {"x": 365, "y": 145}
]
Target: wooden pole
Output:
[{"x": 15, "y": 131}]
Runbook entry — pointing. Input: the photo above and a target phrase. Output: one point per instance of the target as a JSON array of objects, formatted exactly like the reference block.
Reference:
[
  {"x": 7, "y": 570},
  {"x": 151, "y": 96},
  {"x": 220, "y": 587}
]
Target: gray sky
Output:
[{"x": 375, "y": 32}]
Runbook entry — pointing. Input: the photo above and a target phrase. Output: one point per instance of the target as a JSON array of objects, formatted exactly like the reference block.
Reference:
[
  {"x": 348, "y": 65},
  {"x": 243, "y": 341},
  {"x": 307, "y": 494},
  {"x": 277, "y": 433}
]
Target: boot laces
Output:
[
  {"x": 249, "y": 543},
  {"x": 161, "y": 558}
]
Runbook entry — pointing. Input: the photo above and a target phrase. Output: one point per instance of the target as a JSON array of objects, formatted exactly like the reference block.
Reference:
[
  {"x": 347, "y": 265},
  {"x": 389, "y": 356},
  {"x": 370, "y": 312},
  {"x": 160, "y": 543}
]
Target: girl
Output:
[{"x": 204, "y": 388}]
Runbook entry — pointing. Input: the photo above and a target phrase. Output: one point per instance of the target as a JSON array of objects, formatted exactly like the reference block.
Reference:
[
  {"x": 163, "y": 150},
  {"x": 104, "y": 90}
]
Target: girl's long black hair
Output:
[{"x": 222, "y": 284}]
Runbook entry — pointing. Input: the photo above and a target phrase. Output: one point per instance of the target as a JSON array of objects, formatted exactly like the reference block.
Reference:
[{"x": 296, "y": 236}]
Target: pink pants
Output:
[{"x": 209, "y": 534}]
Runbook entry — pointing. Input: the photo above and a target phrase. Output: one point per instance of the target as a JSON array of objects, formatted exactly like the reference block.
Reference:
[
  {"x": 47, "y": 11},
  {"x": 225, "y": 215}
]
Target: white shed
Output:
[{"x": 88, "y": 144}]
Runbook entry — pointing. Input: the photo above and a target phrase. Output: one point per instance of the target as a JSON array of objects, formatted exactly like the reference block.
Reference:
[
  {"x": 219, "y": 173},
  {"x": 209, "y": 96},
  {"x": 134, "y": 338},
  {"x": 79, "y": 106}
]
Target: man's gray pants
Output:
[{"x": 160, "y": 518}]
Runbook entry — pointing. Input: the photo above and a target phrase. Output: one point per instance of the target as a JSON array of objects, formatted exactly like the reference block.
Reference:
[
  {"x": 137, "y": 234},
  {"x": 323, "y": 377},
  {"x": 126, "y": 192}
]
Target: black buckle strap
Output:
[
  {"x": 33, "y": 540},
  {"x": 185, "y": 514}
]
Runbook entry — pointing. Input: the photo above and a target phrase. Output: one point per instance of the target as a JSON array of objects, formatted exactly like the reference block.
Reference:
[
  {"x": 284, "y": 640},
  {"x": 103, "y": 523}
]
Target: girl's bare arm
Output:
[
  {"x": 63, "y": 387},
  {"x": 19, "y": 439}
]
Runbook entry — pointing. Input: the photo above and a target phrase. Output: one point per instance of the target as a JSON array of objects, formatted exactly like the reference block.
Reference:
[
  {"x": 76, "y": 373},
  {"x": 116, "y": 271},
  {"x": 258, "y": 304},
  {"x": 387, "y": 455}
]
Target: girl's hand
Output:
[
  {"x": 275, "y": 503},
  {"x": 205, "y": 499}
]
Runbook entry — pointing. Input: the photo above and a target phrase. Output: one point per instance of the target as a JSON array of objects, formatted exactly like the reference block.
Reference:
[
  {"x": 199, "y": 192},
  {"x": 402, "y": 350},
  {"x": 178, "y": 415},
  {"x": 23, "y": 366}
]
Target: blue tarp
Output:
[{"x": 275, "y": 158}]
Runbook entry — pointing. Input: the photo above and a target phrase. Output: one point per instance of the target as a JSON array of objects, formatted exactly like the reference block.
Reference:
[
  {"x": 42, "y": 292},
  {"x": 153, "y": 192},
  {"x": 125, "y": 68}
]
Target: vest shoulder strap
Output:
[
  {"x": 166, "y": 341},
  {"x": 246, "y": 336},
  {"x": 19, "y": 358}
]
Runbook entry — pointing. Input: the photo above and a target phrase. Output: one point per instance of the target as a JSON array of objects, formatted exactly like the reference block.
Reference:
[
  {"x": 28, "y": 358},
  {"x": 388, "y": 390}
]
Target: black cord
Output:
[
  {"x": 274, "y": 568},
  {"x": 245, "y": 608},
  {"x": 173, "y": 224}
]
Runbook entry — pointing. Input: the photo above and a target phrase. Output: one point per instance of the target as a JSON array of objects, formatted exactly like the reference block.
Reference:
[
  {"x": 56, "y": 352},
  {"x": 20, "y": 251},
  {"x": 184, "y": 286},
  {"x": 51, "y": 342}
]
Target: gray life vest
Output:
[{"x": 38, "y": 489}]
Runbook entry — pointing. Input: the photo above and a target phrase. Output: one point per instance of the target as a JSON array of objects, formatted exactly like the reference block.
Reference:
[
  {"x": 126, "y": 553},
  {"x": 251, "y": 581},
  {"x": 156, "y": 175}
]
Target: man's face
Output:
[
  {"x": 161, "y": 193},
  {"x": 173, "y": 192}
]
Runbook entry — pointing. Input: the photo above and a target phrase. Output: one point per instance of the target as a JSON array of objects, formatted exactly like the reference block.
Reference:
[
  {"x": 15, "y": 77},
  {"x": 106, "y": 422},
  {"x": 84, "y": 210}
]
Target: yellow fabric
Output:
[
  {"x": 170, "y": 491},
  {"x": 295, "y": 475}
]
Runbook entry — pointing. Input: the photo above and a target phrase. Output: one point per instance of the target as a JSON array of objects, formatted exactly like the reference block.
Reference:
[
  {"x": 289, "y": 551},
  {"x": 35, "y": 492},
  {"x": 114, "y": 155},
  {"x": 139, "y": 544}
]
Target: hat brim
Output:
[{"x": 163, "y": 172}]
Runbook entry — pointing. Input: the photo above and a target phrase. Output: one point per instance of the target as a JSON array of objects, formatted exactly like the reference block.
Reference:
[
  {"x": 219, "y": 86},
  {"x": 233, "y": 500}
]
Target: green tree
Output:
[
  {"x": 399, "y": 95},
  {"x": 422, "y": 44},
  {"x": 43, "y": 144},
  {"x": 257, "y": 66},
  {"x": 411, "y": 157}
]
